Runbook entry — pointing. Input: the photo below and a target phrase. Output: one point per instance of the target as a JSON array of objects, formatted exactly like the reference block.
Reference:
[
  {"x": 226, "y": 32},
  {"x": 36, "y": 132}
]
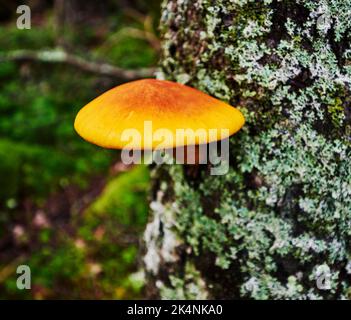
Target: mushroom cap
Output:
[{"x": 168, "y": 105}]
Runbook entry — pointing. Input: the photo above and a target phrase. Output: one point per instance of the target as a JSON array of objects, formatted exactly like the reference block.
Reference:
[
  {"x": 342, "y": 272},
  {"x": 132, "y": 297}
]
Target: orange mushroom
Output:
[{"x": 159, "y": 111}]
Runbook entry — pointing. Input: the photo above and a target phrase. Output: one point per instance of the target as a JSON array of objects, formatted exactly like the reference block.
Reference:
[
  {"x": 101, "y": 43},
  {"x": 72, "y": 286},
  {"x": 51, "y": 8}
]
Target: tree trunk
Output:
[{"x": 278, "y": 225}]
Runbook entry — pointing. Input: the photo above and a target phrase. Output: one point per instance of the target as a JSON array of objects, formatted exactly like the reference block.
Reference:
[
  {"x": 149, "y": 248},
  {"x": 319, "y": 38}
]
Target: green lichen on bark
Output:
[{"x": 280, "y": 220}]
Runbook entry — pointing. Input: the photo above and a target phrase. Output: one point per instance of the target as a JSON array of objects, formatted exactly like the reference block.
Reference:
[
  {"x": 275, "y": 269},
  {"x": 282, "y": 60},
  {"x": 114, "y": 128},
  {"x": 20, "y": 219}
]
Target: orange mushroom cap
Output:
[{"x": 168, "y": 105}]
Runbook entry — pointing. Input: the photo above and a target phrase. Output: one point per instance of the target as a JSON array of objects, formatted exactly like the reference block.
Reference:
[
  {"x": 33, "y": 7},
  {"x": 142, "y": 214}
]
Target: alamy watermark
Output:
[
  {"x": 323, "y": 277},
  {"x": 200, "y": 146},
  {"x": 24, "y": 277},
  {"x": 24, "y": 19}
]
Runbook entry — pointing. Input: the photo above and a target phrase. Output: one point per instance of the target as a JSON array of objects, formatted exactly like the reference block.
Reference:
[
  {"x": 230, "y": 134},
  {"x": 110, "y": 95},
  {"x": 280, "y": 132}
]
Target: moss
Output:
[
  {"x": 129, "y": 53},
  {"x": 284, "y": 208},
  {"x": 111, "y": 227},
  {"x": 123, "y": 199}
]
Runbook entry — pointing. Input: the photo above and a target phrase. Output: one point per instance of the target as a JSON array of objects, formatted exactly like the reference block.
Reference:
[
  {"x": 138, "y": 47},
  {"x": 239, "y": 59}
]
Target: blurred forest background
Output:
[{"x": 68, "y": 209}]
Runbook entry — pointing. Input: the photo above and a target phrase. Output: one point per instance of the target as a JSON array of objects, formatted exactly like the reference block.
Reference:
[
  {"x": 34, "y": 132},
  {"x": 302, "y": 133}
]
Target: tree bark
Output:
[{"x": 278, "y": 225}]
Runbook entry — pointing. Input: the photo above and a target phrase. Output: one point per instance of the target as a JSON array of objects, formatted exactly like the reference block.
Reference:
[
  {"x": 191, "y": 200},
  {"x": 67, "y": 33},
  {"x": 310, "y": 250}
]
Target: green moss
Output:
[
  {"x": 123, "y": 199},
  {"x": 48, "y": 268},
  {"x": 112, "y": 225},
  {"x": 128, "y": 52},
  {"x": 46, "y": 169}
]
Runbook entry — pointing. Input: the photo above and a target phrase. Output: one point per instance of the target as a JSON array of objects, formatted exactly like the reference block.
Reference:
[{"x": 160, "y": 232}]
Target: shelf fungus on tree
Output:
[{"x": 158, "y": 115}]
